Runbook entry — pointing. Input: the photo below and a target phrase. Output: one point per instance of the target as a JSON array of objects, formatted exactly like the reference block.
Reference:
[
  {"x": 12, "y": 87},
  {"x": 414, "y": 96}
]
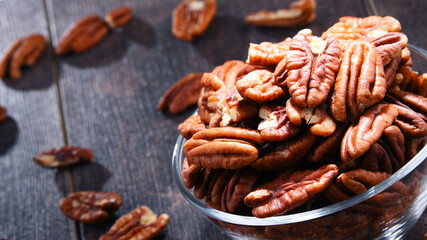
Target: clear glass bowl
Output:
[{"x": 349, "y": 219}]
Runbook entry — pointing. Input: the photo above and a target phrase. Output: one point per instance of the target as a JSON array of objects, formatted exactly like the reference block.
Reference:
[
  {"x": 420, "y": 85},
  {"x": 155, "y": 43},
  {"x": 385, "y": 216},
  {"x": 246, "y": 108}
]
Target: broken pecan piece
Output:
[
  {"x": 287, "y": 192},
  {"x": 239, "y": 186},
  {"x": 360, "y": 82},
  {"x": 267, "y": 53},
  {"x": 90, "y": 207},
  {"x": 3, "y": 114},
  {"x": 140, "y": 223},
  {"x": 182, "y": 94},
  {"x": 64, "y": 156},
  {"x": 276, "y": 125},
  {"x": 118, "y": 17},
  {"x": 301, "y": 13},
  {"x": 191, "y": 126},
  {"x": 191, "y": 18},
  {"x": 82, "y": 35}
]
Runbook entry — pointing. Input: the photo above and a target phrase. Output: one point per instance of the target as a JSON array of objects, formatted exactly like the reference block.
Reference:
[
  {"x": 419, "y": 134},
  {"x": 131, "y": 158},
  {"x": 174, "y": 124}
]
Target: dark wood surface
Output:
[{"x": 108, "y": 96}]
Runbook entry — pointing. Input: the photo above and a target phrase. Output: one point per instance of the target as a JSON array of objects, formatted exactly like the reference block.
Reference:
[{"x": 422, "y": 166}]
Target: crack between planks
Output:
[{"x": 55, "y": 69}]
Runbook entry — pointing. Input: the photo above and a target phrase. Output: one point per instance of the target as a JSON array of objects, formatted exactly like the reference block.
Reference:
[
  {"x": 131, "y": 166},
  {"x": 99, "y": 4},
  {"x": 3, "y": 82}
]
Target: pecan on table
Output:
[
  {"x": 182, "y": 94},
  {"x": 360, "y": 82},
  {"x": 310, "y": 68},
  {"x": 267, "y": 53},
  {"x": 191, "y": 18},
  {"x": 238, "y": 187},
  {"x": 90, "y": 207},
  {"x": 285, "y": 155},
  {"x": 327, "y": 150},
  {"x": 359, "y": 138},
  {"x": 416, "y": 102},
  {"x": 287, "y": 192},
  {"x": 118, "y": 17},
  {"x": 191, "y": 126},
  {"x": 276, "y": 125},
  {"x": 82, "y": 35},
  {"x": 190, "y": 173},
  {"x": 140, "y": 223},
  {"x": 3, "y": 114},
  {"x": 64, "y": 156},
  {"x": 301, "y": 13},
  {"x": 24, "y": 51}
]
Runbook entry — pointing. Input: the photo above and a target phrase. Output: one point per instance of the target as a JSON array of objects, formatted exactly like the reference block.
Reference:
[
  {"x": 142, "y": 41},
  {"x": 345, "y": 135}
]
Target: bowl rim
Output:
[{"x": 178, "y": 157}]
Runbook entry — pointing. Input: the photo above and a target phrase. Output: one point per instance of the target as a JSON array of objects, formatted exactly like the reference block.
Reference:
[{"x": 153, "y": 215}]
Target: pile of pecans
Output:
[{"x": 309, "y": 121}]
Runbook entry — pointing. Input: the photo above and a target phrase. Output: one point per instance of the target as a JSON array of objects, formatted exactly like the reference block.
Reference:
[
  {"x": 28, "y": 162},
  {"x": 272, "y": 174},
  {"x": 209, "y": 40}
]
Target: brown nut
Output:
[
  {"x": 360, "y": 82},
  {"x": 216, "y": 188},
  {"x": 359, "y": 138},
  {"x": 238, "y": 187},
  {"x": 287, "y": 192},
  {"x": 3, "y": 114},
  {"x": 390, "y": 72},
  {"x": 190, "y": 173},
  {"x": 412, "y": 124},
  {"x": 301, "y": 13},
  {"x": 276, "y": 125},
  {"x": 90, "y": 207},
  {"x": 201, "y": 187},
  {"x": 310, "y": 68},
  {"x": 390, "y": 45},
  {"x": 328, "y": 150},
  {"x": 413, "y": 146},
  {"x": 267, "y": 53},
  {"x": 64, "y": 156},
  {"x": 24, "y": 51},
  {"x": 415, "y": 84},
  {"x": 140, "y": 223},
  {"x": 118, "y": 17},
  {"x": 414, "y": 101},
  {"x": 82, "y": 35},
  {"x": 191, "y": 126},
  {"x": 191, "y": 18},
  {"x": 182, "y": 94}
]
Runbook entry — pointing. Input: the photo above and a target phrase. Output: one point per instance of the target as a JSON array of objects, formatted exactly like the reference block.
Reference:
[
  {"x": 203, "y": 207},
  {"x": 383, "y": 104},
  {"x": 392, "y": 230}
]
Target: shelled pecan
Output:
[
  {"x": 90, "y": 207},
  {"x": 3, "y": 114},
  {"x": 182, "y": 94},
  {"x": 238, "y": 187},
  {"x": 24, "y": 52},
  {"x": 191, "y": 18},
  {"x": 190, "y": 173},
  {"x": 63, "y": 156},
  {"x": 191, "y": 126},
  {"x": 390, "y": 45},
  {"x": 216, "y": 188},
  {"x": 276, "y": 125},
  {"x": 410, "y": 122},
  {"x": 140, "y": 223},
  {"x": 118, "y": 17},
  {"x": 327, "y": 150},
  {"x": 414, "y": 101},
  {"x": 267, "y": 53}
]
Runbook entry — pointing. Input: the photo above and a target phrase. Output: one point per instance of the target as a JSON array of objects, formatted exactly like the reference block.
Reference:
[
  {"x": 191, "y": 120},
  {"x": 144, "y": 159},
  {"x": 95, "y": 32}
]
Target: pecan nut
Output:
[
  {"x": 267, "y": 53},
  {"x": 82, "y": 35},
  {"x": 287, "y": 192},
  {"x": 190, "y": 173},
  {"x": 3, "y": 114},
  {"x": 24, "y": 51},
  {"x": 90, "y": 207},
  {"x": 390, "y": 45},
  {"x": 191, "y": 126},
  {"x": 191, "y": 18},
  {"x": 359, "y": 138},
  {"x": 140, "y": 223},
  {"x": 201, "y": 187},
  {"x": 414, "y": 83},
  {"x": 413, "y": 146},
  {"x": 118, "y": 17},
  {"x": 239, "y": 186},
  {"x": 410, "y": 122},
  {"x": 216, "y": 188},
  {"x": 416, "y": 102},
  {"x": 182, "y": 94},
  {"x": 327, "y": 149},
  {"x": 310, "y": 68},
  {"x": 360, "y": 82},
  {"x": 276, "y": 125},
  {"x": 64, "y": 156},
  {"x": 301, "y": 13}
]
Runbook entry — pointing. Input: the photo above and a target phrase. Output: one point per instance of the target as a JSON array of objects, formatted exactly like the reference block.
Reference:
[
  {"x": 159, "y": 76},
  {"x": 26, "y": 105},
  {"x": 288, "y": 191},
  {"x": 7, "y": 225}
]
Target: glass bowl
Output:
[{"x": 349, "y": 219}]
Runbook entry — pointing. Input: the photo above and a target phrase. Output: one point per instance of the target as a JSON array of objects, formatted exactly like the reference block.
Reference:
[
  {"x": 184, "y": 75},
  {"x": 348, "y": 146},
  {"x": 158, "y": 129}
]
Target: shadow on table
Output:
[
  {"x": 139, "y": 31},
  {"x": 8, "y": 134}
]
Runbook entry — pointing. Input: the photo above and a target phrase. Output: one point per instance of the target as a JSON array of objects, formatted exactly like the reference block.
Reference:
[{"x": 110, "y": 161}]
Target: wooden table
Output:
[{"x": 105, "y": 99}]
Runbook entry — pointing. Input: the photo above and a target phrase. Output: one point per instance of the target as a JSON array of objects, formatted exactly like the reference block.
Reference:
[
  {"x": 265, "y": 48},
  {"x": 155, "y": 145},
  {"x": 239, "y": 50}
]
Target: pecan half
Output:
[
  {"x": 310, "y": 69},
  {"x": 276, "y": 125},
  {"x": 360, "y": 82},
  {"x": 190, "y": 173},
  {"x": 267, "y": 53},
  {"x": 413, "y": 83},
  {"x": 191, "y": 18},
  {"x": 287, "y": 192},
  {"x": 413, "y": 146},
  {"x": 24, "y": 51},
  {"x": 327, "y": 150},
  {"x": 285, "y": 155},
  {"x": 140, "y": 223},
  {"x": 239, "y": 186},
  {"x": 301, "y": 13},
  {"x": 182, "y": 94},
  {"x": 90, "y": 207},
  {"x": 216, "y": 188},
  {"x": 390, "y": 71},
  {"x": 191, "y": 126},
  {"x": 416, "y": 102},
  {"x": 359, "y": 138},
  {"x": 3, "y": 114},
  {"x": 118, "y": 17},
  {"x": 390, "y": 45},
  {"x": 82, "y": 35},
  {"x": 410, "y": 122},
  {"x": 64, "y": 156}
]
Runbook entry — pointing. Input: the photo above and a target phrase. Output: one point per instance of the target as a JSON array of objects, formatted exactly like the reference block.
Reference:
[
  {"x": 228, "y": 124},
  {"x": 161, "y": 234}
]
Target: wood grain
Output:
[{"x": 29, "y": 194}]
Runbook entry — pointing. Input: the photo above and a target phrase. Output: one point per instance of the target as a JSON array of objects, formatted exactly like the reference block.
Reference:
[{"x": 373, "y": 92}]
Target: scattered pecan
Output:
[
  {"x": 267, "y": 53},
  {"x": 390, "y": 45},
  {"x": 287, "y": 192},
  {"x": 239, "y": 186},
  {"x": 359, "y": 138},
  {"x": 190, "y": 173},
  {"x": 191, "y": 126},
  {"x": 310, "y": 69},
  {"x": 285, "y": 155},
  {"x": 3, "y": 114},
  {"x": 90, "y": 207},
  {"x": 327, "y": 150},
  {"x": 82, "y": 35},
  {"x": 140, "y": 223},
  {"x": 416, "y": 102},
  {"x": 118, "y": 17},
  {"x": 301, "y": 13},
  {"x": 182, "y": 94},
  {"x": 191, "y": 18},
  {"x": 360, "y": 82},
  {"x": 276, "y": 125},
  {"x": 64, "y": 156},
  {"x": 24, "y": 51}
]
